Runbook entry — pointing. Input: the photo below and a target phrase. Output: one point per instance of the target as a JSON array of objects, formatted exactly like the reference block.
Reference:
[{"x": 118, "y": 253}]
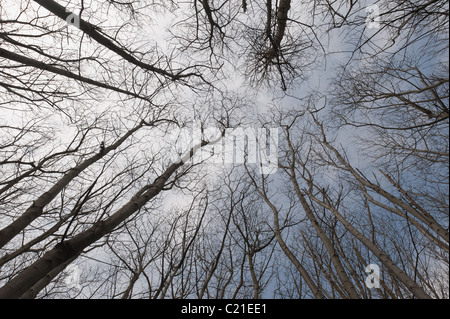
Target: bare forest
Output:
[{"x": 220, "y": 149}]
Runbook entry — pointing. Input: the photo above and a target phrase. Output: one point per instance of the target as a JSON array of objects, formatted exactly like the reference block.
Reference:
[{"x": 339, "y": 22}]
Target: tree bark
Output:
[
  {"x": 74, "y": 247},
  {"x": 50, "y": 68},
  {"x": 412, "y": 286},
  {"x": 94, "y": 33},
  {"x": 346, "y": 282},
  {"x": 282, "y": 17},
  {"x": 309, "y": 281},
  {"x": 41, "y": 284},
  {"x": 36, "y": 209},
  {"x": 422, "y": 215}
]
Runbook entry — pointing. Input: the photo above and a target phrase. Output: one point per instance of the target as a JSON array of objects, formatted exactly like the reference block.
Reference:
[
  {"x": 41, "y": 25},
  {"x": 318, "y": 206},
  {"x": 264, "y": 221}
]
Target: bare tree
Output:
[{"x": 115, "y": 158}]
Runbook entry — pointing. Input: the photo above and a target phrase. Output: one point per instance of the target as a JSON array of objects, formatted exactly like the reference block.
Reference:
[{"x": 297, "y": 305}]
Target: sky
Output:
[{"x": 144, "y": 34}]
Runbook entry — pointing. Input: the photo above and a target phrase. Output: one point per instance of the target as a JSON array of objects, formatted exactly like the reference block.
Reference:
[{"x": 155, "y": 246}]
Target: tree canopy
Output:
[{"x": 224, "y": 149}]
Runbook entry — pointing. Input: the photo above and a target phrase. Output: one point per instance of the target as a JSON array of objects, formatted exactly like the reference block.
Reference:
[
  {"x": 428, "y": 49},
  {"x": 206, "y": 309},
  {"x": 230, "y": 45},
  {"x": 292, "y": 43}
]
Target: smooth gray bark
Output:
[
  {"x": 36, "y": 209},
  {"x": 73, "y": 247}
]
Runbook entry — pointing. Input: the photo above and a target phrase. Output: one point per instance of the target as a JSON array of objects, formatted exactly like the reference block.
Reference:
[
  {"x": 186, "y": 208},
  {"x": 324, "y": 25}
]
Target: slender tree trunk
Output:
[
  {"x": 309, "y": 281},
  {"x": 215, "y": 263},
  {"x": 73, "y": 247},
  {"x": 127, "y": 293},
  {"x": 50, "y": 68},
  {"x": 41, "y": 284},
  {"x": 96, "y": 35},
  {"x": 382, "y": 257},
  {"x": 282, "y": 17},
  {"x": 342, "y": 274},
  {"x": 255, "y": 282},
  {"x": 422, "y": 215},
  {"x": 36, "y": 209}
]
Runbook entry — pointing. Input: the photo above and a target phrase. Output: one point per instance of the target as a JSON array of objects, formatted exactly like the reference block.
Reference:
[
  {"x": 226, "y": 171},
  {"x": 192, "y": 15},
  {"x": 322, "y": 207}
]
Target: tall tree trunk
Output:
[
  {"x": 60, "y": 71},
  {"x": 41, "y": 284},
  {"x": 127, "y": 293},
  {"x": 342, "y": 274},
  {"x": 36, "y": 209},
  {"x": 346, "y": 282},
  {"x": 421, "y": 215},
  {"x": 282, "y": 17},
  {"x": 96, "y": 35},
  {"x": 284, "y": 247},
  {"x": 412, "y": 286},
  {"x": 74, "y": 247}
]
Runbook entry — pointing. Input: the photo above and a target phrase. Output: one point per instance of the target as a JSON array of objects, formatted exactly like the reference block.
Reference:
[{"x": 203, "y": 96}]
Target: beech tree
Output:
[{"x": 134, "y": 137}]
